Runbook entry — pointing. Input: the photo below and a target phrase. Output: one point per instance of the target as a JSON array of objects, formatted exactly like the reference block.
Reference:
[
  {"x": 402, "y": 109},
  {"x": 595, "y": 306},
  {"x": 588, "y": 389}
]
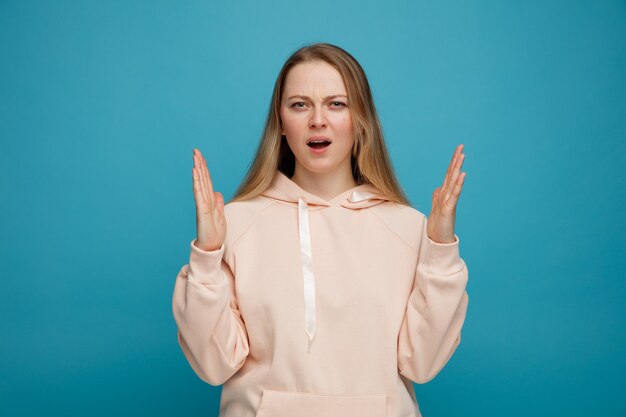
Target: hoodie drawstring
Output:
[
  {"x": 307, "y": 270},
  {"x": 285, "y": 190}
]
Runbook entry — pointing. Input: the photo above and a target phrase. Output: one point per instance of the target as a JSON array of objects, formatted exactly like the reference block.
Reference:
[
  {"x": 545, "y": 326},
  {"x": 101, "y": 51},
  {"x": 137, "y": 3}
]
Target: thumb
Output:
[
  {"x": 219, "y": 202},
  {"x": 436, "y": 195}
]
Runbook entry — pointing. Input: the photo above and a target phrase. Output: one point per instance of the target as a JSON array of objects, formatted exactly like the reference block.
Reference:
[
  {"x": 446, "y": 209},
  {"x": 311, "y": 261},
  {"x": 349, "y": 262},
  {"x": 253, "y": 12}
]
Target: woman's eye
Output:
[
  {"x": 298, "y": 105},
  {"x": 338, "y": 104}
]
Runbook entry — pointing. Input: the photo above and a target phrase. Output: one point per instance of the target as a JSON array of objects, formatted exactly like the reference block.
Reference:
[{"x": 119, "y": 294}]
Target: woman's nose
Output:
[{"x": 317, "y": 118}]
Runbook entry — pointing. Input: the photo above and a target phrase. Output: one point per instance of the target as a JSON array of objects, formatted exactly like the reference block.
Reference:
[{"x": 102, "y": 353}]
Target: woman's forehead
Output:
[{"x": 314, "y": 79}]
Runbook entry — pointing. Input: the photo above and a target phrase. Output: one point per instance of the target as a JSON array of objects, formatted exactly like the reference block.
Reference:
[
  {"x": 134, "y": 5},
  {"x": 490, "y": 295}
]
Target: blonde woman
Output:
[{"x": 318, "y": 290}]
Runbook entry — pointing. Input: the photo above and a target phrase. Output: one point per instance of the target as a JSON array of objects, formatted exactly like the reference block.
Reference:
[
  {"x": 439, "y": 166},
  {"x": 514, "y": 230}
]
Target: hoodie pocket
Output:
[{"x": 275, "y": 403}]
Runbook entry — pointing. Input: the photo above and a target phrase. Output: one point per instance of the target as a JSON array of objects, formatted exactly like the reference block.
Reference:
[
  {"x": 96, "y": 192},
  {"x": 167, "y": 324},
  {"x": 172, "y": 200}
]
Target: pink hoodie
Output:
[{"x": 321, "y": 308}]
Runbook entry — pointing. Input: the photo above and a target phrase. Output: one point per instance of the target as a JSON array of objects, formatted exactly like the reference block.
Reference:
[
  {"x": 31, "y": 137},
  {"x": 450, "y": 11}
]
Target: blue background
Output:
[{"x": 101, "y": 104}]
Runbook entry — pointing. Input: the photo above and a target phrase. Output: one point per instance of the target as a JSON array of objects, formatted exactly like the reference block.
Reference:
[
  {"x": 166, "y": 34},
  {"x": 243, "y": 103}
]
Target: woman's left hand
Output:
[{"x": 441, "y": 220}]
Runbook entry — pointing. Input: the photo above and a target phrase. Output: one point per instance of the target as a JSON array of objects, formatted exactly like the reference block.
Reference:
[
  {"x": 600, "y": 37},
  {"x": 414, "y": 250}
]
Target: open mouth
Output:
[{"x": 318, "y": 144}]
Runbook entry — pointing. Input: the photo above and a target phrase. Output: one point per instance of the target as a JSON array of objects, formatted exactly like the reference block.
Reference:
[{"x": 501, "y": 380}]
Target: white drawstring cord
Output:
[{"x": 307, "y": 271}]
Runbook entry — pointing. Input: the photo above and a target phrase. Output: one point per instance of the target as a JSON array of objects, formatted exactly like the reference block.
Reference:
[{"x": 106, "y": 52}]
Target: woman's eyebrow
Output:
[{"x": 325, "y": 98}]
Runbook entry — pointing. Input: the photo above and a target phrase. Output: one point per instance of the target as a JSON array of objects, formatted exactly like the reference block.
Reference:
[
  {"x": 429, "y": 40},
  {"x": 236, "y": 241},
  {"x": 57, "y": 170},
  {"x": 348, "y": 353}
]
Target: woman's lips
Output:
[
  {"x": 318, "y": 144},
  {"x": 319, "y": 148}
]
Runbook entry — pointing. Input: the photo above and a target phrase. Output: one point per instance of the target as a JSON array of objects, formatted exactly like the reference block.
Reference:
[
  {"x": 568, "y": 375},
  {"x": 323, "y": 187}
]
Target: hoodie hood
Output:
[{"x": 286, "y": 191}]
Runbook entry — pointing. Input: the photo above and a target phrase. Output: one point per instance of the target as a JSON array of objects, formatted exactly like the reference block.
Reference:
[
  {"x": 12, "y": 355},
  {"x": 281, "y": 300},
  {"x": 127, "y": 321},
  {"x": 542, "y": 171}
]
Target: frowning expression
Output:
[{"x": 315, "y": 117}]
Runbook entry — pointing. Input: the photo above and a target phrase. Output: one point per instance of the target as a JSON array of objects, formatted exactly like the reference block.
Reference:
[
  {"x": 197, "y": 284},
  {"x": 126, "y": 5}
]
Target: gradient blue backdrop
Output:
[{"x": 101, "y": 104}]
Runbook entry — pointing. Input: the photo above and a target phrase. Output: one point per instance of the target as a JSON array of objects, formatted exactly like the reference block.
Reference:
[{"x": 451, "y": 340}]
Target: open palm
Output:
[
  {"x": 442, "y": 215},
  {"x": 210, "y": 219}
]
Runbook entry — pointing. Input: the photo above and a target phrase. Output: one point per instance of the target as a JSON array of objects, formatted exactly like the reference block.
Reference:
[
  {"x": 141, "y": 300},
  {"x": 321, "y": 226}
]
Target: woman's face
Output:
[{"x": 314, "y": 108}]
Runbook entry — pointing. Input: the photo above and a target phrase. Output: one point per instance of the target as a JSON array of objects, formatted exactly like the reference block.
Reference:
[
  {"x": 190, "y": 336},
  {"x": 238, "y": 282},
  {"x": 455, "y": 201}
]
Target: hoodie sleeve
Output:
[
  {"x": 211, "y": 332},
  {"x": 436, "y": 309}
]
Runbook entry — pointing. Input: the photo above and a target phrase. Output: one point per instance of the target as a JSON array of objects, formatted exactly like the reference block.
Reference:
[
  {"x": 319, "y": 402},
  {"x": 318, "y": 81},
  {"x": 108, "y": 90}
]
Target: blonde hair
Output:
[{"x": 370, "y": 160}]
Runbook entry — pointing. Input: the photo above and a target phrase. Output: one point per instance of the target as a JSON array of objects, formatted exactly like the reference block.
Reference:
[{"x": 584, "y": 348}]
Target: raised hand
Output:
[
  {"x": 441, "y": 220},
  {"x": 210, "y": 219}
]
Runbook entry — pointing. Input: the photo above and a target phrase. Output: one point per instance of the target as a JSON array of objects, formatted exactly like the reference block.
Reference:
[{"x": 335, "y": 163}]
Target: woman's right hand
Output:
[{"x": 210, "y": 219}]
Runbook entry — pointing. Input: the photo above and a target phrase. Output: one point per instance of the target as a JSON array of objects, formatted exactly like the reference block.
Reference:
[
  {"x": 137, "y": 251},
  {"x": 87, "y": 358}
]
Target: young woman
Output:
[{"x": 327, "y": 294}]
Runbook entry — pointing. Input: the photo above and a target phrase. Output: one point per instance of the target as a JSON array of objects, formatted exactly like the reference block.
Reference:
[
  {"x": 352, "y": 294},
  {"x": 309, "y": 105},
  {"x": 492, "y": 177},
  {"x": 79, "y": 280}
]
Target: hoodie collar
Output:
[{"x": 284, "y": 190}]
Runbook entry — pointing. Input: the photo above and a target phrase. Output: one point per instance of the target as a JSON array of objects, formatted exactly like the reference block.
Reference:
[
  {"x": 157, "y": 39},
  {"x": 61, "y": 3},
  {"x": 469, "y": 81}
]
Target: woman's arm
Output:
[
  {"x": 436, "y": 309},
  {"x": 431, "y": 329},
  {"x": 211, "y": 331}
]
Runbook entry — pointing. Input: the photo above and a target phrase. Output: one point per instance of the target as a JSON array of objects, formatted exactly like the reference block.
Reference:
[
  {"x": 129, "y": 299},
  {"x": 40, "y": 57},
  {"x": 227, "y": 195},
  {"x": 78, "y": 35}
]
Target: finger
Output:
[
  {"x": 435, "y": 198},
  {"x": 446, "y": 179},
  {"x": 199, "y": 183},
  {"x": 194, "y": 174},
  {"x": 205, "y": 182},
  {"x": 202, "y": 182},
  {"x": 207, "y": 178},
  {"x": 455, "y": 175},
  {"x": 454, "y": 198},
  {"x": 436, "y": 193},
  {"x": 197, "y": 190},
  {"x": 219, "y": 199}
]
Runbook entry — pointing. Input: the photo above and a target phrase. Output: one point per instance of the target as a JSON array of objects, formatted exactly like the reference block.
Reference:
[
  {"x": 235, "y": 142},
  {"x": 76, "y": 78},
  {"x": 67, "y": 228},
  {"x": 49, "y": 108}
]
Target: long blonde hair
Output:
[{"x": 370, "y": 160}]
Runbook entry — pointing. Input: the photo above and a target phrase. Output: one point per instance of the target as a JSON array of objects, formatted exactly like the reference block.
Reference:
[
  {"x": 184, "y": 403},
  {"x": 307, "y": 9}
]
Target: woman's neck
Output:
[{"x": 325, "y": 185}]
